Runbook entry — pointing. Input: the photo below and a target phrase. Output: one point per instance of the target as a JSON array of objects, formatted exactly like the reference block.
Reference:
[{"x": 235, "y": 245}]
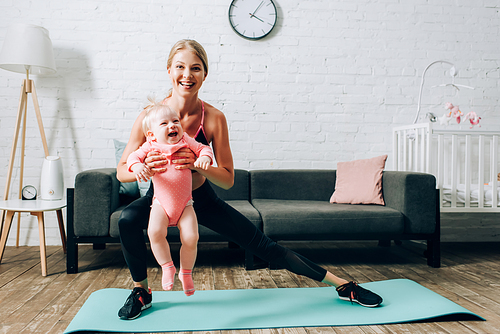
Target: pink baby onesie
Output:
[{"x": 172, "y": 188}]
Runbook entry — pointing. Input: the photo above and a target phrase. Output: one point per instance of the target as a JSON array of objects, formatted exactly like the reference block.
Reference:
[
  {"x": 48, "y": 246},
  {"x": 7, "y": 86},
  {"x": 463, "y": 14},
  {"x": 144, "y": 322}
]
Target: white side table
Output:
[{"x": 36, "y": 208}]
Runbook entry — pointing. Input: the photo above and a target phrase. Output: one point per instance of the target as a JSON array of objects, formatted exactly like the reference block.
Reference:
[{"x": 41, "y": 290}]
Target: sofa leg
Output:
[
  {"x": 249, "y": 261},
  {"x": 434, "y": 244},
  {"x": 97, "y": 245},
  {"x": 274, "y": 266},
  {"x": 71, "y": 257},
  {"x": 71, "y": 244},
  {"x": 384, "y": 243},
  {"x": 232, "y": 245},
  {"x": 433, "y": 253}
]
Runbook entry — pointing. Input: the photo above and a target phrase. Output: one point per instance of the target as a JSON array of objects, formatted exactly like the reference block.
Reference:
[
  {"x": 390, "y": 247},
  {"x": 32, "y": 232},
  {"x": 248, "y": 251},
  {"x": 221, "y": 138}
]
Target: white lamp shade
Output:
[
  {"x": 27, "y": 46},
  {"x": 52, "y": 180}
]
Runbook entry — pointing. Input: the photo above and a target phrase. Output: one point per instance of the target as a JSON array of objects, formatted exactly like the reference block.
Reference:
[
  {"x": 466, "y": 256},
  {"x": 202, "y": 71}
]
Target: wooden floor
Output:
[{"x": 469, "y": 276}]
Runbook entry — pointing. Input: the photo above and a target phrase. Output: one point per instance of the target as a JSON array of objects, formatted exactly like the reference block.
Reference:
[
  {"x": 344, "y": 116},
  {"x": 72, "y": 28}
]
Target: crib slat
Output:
[
  {"x": 411, "y": 154},
  {"x": 422, "y": 150},
  {"x": 440, "y": 167},
  {"x": 428, "y": 151},
  {"x": 415, "y": 149},
  {"x": 481, "y": 172},
  {"x": 454, "y": 148},
  {"x": 395, "y": 152},
  {"x": 405, "y": 151},
  {"x": 494, "y": 168},
  {"x": 400, "y": 148},
  {"x": 467, "y": 162}
]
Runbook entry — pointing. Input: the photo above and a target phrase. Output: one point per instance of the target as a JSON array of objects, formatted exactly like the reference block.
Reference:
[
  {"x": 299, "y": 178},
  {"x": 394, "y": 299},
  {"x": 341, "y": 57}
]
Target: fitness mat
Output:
[{"x": 404, "y": 301}]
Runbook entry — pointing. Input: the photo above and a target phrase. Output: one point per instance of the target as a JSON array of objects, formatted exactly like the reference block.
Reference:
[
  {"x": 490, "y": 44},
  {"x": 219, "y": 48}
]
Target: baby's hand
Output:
[
  {"x": 203, "y": 162},
  {"x": 141, "y": 172}
]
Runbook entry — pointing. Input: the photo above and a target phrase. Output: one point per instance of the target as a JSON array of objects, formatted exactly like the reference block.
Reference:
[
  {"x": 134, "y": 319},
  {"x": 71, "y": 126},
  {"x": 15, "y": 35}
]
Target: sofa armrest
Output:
[
  {"x": 414, "y": 195},
  {"x": 96, "y": 197}
]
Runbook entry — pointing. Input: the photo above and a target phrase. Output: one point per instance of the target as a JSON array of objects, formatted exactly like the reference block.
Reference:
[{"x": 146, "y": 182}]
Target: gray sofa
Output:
[{"x": 284, "y": 204}]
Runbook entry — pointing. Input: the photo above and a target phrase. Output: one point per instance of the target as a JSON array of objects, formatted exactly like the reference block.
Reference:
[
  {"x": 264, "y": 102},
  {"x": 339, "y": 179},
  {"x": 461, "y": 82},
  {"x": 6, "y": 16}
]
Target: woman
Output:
[{"x": 187, "y": 67}]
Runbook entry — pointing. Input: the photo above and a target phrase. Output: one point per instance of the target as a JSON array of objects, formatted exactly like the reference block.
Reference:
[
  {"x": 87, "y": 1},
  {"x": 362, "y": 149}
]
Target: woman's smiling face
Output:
[{"x": 186, "y": 72}]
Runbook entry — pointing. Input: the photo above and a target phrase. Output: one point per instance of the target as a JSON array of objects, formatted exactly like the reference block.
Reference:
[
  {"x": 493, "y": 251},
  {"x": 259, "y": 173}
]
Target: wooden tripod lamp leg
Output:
[
  {"x": 22, "y": 102},
  {"x": 21, "y": 174},
  {"x": 39, "y": 118},
  {"x": 5, "y": 232},
  {"x": 20, "y": 109}
]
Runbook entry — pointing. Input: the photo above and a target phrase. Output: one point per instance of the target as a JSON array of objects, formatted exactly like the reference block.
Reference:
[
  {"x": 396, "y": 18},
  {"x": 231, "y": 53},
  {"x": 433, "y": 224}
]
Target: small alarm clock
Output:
[{"x": 28, "y": 193}]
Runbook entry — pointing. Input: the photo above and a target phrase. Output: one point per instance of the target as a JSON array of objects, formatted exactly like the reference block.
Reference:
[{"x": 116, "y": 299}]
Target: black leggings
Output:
[{"x": 220, "y": 217}]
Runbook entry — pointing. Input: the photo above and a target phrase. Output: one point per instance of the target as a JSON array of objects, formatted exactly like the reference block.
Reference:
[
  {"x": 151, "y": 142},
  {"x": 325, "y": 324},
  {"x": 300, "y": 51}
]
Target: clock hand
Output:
[
  {"x": 257, "y": 18},
  {"x": 255, "y": 11}
]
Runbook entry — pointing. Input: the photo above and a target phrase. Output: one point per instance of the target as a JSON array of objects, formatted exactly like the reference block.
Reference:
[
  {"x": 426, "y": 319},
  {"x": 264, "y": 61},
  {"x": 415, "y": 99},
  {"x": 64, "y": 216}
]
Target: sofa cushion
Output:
[
  {"x": 320, "y": 220},
  {"x": 359, "y": 181},
  {"x": 130, "y": 188},
  {"x": 292, "y": 184},
  {"x": 239, "y": 191},
  {"x": 113, "y": 222},
  {"x": 206, "y": 234},
  {"x": 248, "y": 210}
]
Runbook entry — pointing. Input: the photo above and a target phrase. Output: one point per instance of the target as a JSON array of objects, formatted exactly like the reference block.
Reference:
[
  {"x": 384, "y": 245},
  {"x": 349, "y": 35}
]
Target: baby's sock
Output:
[
  {"x": 167, "y": 277},
  {"x": 185, "y": 275}
]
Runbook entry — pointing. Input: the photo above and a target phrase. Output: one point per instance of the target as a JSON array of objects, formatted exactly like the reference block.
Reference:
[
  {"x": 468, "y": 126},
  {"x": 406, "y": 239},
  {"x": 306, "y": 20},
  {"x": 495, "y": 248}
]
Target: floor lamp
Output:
[{"x": 26, "y": 49}]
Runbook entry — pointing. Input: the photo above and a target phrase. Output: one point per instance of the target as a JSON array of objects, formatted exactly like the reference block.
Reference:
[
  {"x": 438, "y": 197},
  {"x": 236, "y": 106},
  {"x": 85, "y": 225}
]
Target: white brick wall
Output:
[{"x": 327, "y": 85}]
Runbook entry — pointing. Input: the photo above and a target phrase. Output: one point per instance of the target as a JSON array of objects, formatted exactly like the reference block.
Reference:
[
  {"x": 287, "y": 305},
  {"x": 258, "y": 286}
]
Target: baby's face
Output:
[{"x": 167, "y": 128}]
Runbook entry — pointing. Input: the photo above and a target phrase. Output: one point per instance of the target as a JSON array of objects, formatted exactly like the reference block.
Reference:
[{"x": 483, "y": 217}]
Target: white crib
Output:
[{"x": 464, "y": 162}]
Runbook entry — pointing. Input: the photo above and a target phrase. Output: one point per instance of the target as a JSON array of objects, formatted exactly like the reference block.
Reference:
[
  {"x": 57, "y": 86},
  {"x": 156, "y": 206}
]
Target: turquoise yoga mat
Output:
[{"x": 404, "y": 301}]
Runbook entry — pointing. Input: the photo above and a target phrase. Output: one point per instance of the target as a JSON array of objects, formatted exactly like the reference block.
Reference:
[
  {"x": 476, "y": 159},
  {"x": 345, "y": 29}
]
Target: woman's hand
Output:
[
  {"x": 155, "y": 163},
  {"x": 184, "y": 158}
]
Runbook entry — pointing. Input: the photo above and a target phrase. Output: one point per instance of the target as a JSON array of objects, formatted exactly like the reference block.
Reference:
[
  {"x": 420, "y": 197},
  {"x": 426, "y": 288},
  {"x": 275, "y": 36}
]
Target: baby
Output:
[{"x": 172, "y": 201}]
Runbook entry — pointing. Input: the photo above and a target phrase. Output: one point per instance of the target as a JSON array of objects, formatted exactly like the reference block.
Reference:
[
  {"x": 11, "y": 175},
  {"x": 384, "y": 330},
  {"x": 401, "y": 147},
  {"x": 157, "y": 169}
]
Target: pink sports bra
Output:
[{"x": 200, "y": 134}]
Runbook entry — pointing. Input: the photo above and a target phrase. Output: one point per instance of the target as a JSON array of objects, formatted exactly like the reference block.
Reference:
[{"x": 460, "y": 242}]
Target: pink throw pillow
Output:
[{"x": 359, "y": 182}]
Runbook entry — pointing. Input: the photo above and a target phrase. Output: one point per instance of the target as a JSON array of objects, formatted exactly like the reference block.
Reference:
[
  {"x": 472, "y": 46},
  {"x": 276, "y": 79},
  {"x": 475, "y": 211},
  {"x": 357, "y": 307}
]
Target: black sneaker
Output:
[
  {"x": 137, "y": 301},
  {"x": 354, "y": 293}
]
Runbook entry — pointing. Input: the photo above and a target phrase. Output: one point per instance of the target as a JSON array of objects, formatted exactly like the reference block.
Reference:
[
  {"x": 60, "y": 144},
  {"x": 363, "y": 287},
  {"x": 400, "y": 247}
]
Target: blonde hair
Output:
[
  {"x": 153, "y": 110},
  {"x": 190, "y": 45}
]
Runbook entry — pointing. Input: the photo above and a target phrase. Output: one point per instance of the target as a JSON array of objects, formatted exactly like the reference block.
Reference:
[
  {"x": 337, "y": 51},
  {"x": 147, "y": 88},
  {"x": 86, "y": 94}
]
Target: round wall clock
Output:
[{"x": 252, "y": 19}]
